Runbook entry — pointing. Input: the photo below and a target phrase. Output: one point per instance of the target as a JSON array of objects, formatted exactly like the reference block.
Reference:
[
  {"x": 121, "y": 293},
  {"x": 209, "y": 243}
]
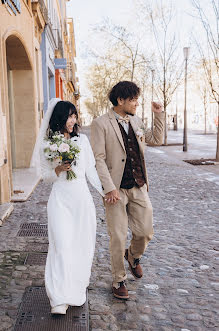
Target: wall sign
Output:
[
  {"x": 60, "y": 63},
  {"x": 14, "y": 5}
]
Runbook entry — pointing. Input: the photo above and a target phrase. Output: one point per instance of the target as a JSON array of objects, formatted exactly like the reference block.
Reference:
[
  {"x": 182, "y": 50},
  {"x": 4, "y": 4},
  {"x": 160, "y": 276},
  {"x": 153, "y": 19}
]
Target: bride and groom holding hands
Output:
[{"x": 114, "y": 164}]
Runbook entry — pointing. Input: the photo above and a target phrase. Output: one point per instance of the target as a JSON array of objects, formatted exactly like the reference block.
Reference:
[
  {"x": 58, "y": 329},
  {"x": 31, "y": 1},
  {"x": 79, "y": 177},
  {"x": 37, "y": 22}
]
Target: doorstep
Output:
[
  {"x": 25, "y": 181},
  {"x": 5, "y": 211}
]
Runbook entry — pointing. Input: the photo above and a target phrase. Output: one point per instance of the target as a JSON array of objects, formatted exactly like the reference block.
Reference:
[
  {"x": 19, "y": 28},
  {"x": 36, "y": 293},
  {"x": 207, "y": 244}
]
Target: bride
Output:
[{"x": 71, "y": 212}]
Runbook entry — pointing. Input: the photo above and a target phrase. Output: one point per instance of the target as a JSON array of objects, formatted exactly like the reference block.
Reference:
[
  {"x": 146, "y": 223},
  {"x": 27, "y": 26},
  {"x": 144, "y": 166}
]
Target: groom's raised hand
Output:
[
  {"x": 112, "y": 197},
  {"x": 156, "y": 107}
]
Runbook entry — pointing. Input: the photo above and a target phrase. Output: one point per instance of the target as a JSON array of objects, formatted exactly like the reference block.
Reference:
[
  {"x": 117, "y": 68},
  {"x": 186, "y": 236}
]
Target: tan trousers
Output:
[{"x": 133, "y": 210}]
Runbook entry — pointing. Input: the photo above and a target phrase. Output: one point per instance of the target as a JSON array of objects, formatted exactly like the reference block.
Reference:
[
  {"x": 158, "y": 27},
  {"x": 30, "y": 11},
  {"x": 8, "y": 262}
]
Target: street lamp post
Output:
[
  {"x": 186, "y": 55},
  {"x": 152, "y": 99}
]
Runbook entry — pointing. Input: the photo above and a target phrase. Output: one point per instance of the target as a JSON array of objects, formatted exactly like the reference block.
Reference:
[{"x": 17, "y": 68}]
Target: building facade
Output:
[
  {"x": 72, "y": 88},
  {"x": 34, "y": 59},
  {"x": 49, "y": 44},
  {"x": 18, "y": 102}
]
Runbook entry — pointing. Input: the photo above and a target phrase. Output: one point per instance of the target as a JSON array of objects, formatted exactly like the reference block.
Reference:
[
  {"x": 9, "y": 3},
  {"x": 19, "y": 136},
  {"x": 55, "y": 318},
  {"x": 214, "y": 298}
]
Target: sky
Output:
[{"x": 87, "y": 13}]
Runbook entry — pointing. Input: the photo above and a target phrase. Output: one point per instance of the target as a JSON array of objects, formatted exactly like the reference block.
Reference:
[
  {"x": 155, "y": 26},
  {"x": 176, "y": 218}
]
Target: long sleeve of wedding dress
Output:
[
  {"x": 47, "y": 171},
  {"x": 90, "y": 170}
]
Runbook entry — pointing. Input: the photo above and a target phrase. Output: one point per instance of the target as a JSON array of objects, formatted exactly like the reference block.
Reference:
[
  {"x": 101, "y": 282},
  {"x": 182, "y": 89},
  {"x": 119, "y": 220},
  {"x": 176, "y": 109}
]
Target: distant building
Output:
[
  {"x": 51, "y": 41},
  {"x": 72, "y": 89}
]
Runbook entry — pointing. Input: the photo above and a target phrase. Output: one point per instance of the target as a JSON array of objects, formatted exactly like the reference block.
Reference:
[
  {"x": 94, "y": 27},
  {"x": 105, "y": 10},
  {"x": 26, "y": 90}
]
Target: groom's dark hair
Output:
[{"x": 124, "y": 90}]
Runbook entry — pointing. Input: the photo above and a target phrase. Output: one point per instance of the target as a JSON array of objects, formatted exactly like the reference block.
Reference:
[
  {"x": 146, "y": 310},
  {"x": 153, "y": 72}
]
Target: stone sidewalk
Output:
[{"x": 179, "y": 290}]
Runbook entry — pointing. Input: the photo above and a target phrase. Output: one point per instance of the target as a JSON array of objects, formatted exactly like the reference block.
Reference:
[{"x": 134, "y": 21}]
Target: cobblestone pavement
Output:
[
  {"x": 199, "y": 146},
  {"x": 179, "y": 289}
]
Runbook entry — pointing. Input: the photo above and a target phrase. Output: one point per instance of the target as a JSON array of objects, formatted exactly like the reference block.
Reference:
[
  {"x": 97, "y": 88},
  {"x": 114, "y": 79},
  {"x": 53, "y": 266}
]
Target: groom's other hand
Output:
[
  {"x": 156, "y": 107},
  {"x": 112, "y": 197}
]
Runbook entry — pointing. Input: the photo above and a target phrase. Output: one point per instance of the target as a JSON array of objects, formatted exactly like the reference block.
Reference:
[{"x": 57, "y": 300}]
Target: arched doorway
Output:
[{"x": 21, "y": 103}]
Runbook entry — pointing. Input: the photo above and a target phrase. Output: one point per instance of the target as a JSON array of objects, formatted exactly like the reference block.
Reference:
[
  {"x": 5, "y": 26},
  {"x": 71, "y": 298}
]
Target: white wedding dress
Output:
[{"x": 71, "y": 228}]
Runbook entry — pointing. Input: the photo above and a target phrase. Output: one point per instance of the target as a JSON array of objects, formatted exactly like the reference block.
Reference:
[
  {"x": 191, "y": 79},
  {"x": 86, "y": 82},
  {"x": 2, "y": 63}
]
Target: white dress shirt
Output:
[{"x": 124, "y": 124}]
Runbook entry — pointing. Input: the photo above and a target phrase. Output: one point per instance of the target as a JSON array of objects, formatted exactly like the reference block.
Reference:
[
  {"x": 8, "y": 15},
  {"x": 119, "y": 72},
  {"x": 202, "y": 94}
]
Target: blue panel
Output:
[{"x": 60, "y": 63}]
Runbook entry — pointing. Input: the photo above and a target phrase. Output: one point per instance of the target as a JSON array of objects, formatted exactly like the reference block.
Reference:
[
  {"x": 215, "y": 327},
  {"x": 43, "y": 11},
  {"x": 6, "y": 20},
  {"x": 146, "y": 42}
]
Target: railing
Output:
[
  {"x": 60, "y": 44},
  {"x": 43, "y": 9},
  {"x": 65, "y": 28},
  {"x": 70, "y": 76}
]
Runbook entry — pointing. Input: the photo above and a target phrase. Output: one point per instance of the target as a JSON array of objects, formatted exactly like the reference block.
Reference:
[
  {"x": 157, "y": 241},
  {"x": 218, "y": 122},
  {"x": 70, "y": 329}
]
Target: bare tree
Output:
[
  {"x": 100, "y": 79},
  {"x": 129, "y": 52},
  {"x": 121, "y": 59},
  {"x": 167, "y": 64},
  {"x": 203, "y": 90},
  {"x": 210, "y": 51},
  {"x": 143, "y": 80},
  {"x": 204, "y": 95},
  {"x": 92, "y": 108}
]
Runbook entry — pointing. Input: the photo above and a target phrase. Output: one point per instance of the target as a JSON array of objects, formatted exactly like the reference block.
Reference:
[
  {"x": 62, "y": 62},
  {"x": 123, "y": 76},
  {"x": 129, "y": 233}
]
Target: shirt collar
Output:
[{"x": 116, "y": 115}]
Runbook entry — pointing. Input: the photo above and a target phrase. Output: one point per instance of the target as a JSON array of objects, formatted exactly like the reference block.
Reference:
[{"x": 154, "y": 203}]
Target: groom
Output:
[{"x": 118, "y": 142}]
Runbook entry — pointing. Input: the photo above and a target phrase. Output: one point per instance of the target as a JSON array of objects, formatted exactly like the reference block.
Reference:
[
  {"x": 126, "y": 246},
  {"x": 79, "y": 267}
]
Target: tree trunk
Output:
[
  {"x": 132, "y": 74},
  {"x": 205, "y": 120},
  {"x": 165, "y": 126},
  {"x": 217, "y": 150},
  {"x": 176, "y": 119},
  {"x": 142, "y": 113}
]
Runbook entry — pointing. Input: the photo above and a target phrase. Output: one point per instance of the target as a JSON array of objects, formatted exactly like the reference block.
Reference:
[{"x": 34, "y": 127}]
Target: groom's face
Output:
[{"x": 130, "y": 106}]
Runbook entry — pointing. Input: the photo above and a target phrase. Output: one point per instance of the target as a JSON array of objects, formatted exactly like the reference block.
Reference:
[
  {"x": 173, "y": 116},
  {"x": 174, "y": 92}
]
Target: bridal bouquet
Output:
[{"x": 58, "y": 148}]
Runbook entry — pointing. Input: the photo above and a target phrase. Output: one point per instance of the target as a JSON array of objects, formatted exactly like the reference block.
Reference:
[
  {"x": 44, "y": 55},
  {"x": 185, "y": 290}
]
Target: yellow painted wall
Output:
[{"x": 18, "y": 31}]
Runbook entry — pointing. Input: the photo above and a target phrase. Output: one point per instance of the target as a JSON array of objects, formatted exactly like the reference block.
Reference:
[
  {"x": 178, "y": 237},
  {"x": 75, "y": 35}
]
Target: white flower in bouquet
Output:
[
  {"x": 73, "y": 144},
  {"x": 57, "y": 162},
  {"x": 58, "y": 136},
  {"x": 46, "y": 144},
  {"x": 63, "y": 148},
  {"x": 53, "y": 147},
  {"x": 49, "y": 155}
]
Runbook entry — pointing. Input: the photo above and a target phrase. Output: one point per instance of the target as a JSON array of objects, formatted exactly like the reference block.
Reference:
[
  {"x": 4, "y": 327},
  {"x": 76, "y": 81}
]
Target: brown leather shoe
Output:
[
  {"x": 121, "y": 292},
  {"x": 136, "y": 271}
]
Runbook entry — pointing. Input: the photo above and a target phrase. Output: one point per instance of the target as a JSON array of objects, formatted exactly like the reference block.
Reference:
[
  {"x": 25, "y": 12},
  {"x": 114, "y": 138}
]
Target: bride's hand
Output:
[
  {"x": 66, "y": 166},
  {"x": 112, "y": 197}
]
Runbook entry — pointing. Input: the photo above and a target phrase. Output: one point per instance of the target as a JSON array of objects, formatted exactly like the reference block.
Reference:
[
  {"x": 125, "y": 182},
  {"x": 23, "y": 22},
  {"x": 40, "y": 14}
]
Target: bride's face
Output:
[{"x": 70, "y": 123}]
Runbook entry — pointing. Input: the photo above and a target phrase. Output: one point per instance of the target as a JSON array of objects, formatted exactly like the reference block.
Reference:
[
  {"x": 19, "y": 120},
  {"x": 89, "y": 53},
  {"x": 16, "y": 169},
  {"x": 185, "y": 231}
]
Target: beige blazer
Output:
[{"x": 109, "y": 149}]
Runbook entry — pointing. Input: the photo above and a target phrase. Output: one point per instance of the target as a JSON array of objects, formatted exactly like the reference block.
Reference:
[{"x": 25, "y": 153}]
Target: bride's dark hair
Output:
[{"x": 61, "y": 112}]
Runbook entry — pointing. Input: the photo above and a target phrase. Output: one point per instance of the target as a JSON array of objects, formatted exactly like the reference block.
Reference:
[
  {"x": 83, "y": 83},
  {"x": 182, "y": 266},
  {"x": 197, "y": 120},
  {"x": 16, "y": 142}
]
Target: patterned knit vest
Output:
[{"x": 133, "y": 173}]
